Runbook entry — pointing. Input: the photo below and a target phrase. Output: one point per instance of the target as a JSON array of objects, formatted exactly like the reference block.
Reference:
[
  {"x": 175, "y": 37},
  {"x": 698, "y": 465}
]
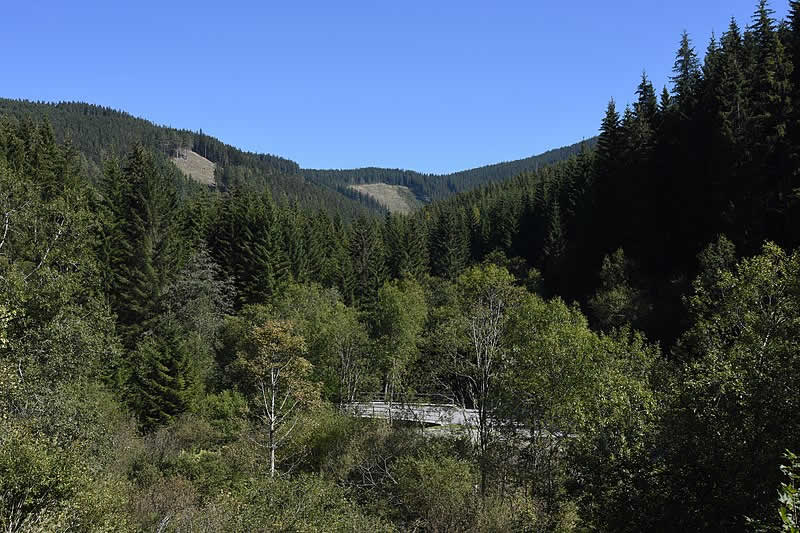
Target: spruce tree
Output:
[
  {"x": 665, "y": 102},
  {"x": 607, "y": 186},
  {"x": 646, "y": 106},
  {"x": 686, "y": 76},
  {"x": 732, "y": 89},
  {"x": 340, "y": 272},
  {"x": 793, "y": 39},
  {"x": 449, "y": 244},
  {"x": 394, "y": 236},
  {"x": 368, "y": 259},
  {"x": 555, "y": 242},
  {"x": 609, "y": 142},
  {"x": 417, "y": 246},
  {"x": 293, "y": 223},
  {"x": 150, "y": 251},
  {"x": 315, "y": 245},
  {"x": 162, "y": 385}
]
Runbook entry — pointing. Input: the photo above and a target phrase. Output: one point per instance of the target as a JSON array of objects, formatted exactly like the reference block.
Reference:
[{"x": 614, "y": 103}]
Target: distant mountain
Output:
[
  {"x": 99, "y": 133},
  {"x": 432, "y": 187}
]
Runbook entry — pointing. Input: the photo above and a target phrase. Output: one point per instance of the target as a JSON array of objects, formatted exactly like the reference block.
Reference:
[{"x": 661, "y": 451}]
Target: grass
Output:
[
  {"x": 397, "y": 198},
  {"x": 195, "y": 166}
]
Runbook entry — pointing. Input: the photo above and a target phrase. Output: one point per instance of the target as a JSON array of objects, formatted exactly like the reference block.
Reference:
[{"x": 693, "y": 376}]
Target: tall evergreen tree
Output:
[
  {"x": 608, "y": 181},
  {"x": 150, "y": 251},
  {"x": 793, "y": 45},
  {"x": 686, "y": 76},
  {"x": 609, "y": 142},
  {"x": 340, "y": 263},
  {"x": 449, "y": 244},
  {"x": 732, "y": 88},
  {"x": 646, "y": 106},
  {"x": 293, "y": 223},
  {"x": 417, "y": 246},
  {"x": 162, "y": 385},
  {"x": 369, "y": 261}
]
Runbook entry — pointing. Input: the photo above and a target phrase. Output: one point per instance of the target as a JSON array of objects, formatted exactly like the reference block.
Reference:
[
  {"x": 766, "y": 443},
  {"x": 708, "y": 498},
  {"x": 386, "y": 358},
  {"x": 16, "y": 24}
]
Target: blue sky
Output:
[{"x": 431, "y": 85}]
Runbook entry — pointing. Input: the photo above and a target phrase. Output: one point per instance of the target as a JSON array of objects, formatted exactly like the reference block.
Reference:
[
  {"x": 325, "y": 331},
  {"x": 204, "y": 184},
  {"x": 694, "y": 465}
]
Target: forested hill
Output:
[
  {"x": 99, "y": 133},
  {"x": 432, "y": 187}
]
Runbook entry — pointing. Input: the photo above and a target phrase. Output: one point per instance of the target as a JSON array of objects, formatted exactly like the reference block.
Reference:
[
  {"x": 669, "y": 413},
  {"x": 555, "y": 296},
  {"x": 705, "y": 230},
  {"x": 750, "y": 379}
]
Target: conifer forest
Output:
[{"x": 610, "y": 331}]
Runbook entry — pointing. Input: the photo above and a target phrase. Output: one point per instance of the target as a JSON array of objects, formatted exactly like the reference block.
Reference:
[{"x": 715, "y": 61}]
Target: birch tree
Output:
[
  {"x": 279, "y": 378},
  {"x": 487, "y": 294}
]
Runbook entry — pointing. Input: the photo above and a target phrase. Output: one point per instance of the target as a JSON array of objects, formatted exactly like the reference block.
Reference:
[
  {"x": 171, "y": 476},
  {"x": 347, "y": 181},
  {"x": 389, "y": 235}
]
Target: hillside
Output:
[
  {"x": 432, "y": 187},
  {"x": 99, "y": 133}
]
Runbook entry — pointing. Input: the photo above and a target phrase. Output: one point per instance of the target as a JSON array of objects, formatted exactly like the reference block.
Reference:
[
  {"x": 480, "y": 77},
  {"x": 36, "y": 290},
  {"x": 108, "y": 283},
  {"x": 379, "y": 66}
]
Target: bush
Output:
[
  {"x": 305, "y": 504},
  {"x": 441, "y": 491},
  {"x": 47, "y": 488}
]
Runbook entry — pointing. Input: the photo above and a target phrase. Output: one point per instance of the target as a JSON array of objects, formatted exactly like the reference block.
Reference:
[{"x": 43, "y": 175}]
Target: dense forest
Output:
[{"x": 624, "y": 325}]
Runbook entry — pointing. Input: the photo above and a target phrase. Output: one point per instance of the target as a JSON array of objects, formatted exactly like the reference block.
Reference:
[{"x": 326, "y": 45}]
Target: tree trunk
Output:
[
  {"x": 272, "y": 428},
  {"x": 271, "y": 459}
]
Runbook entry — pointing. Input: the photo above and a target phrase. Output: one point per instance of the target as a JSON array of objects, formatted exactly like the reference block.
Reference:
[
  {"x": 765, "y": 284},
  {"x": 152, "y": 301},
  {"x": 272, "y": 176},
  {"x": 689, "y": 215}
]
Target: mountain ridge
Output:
[{"x": 100, "y": 133}]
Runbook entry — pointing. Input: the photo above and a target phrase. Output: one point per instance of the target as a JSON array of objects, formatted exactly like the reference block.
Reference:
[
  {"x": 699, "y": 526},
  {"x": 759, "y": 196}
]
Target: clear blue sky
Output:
[{"x": 430, "y": 85}]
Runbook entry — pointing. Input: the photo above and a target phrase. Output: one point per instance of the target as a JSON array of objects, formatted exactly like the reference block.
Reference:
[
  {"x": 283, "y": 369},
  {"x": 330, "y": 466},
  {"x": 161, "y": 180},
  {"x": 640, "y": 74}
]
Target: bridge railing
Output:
[
  {"x": 415, "y": 399},
  {"x": 436, "y": 409}
]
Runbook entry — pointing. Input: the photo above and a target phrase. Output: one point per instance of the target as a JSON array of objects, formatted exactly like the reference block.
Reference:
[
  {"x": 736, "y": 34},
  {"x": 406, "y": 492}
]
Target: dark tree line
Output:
[{"x": 716, "y": 154}]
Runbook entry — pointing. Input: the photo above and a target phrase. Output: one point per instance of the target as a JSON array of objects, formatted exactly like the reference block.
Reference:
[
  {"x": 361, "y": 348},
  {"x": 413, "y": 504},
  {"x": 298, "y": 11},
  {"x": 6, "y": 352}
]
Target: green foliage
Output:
[
  {"x": 617, "y": 302},
  {"x": 6, "y": 316},
  {"x": 442, "y": 491},
  {"x": 99, "y": 132},
  {"x": 162, "y": 384},
  {"x": 449, "y": 245},
  {"x": 225, "y": 412},
  {"x": 44, "y": 487},
  {"x": 305, "y": 504},
  {"x": 687, "y": 75},
  {"x": 338, "y": 345},
  {"x": 586, "y": 404},
  {"x": 734, "y": 405},
  {"x": 275, "y": 353},
  {"x": 432, "y": 187},
  {"x": 276, "y": 376},
  {"x": 486, "y": 300},
  {"x": 611, "y": 448},
  {"x": 224, "y": 317},
  {"x": 789, "y": 495},
  {"x": 367, "y": 254},
  {"x": 400, "y": 316},
  {"x": 247, "y": 242},
  {"x": 56, "y": 328},
  {"x": 149, "y": 253}
]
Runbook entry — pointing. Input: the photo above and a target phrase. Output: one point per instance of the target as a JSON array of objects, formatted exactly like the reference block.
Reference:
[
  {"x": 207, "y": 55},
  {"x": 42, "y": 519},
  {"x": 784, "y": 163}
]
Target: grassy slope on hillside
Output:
[{"x": 395, "y": 198}]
